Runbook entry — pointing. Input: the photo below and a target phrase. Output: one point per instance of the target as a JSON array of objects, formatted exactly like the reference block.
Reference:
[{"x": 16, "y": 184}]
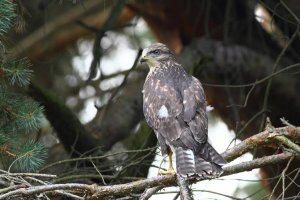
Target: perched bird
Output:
[{"x": 174, "y": 106}]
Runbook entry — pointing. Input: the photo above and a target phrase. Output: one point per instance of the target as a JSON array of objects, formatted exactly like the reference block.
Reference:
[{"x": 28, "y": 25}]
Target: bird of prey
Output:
[{"x": 174, "y": 106}]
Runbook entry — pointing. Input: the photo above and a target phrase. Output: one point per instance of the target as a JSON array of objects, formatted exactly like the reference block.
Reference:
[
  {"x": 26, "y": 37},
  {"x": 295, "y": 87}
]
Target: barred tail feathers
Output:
[
  {"x": 206, "y": 162},
  {"x": 185, "y": 161}
]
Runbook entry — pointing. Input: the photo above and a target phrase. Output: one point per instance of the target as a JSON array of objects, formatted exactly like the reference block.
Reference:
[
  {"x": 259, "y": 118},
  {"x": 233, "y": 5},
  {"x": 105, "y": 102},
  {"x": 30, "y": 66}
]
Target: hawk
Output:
[{"x": 174, "y": 106}]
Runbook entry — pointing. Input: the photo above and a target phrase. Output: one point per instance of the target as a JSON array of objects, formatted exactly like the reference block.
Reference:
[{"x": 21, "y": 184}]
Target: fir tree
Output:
[{"x": 20, "y": 116}]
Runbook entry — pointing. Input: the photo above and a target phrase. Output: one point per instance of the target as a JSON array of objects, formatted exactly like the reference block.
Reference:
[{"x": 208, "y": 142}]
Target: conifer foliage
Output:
[{"x": 20, "y": 116}]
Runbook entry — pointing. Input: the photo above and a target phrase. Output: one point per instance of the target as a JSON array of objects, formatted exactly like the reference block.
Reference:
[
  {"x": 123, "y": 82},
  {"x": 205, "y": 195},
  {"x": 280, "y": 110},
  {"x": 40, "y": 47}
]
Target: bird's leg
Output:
[{"x": 170, "y": 168}]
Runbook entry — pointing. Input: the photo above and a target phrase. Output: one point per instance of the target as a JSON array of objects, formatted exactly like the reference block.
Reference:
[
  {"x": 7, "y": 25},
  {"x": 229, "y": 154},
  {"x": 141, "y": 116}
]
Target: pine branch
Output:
[
  {"x": 7, "y": 10},
  {"x": 30, "y": 156},
  {"x": 20, "y": 115},
  {"x": 159, "y": 182},
  {"x": 23, "y": 113},
  {"x": 17, "y": 71}
]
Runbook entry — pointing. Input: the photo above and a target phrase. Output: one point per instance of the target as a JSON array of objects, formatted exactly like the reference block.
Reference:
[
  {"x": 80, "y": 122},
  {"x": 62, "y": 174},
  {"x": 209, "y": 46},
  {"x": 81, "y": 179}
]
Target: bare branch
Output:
[
  {"x": 261, "y": 139},
  {"x": 97, "y": 50},
  {"x": 288, "y": 143},
  {"x": 86, "y": 191},
  {"x": 45, "y": 188},
  {"x": 185, "y": 191},
  {"x": 149, "y": 192},
  {"x": 125, "y": 189},
  {"x": 29, "y": 174},
  {"x": 257, "y": 82}
]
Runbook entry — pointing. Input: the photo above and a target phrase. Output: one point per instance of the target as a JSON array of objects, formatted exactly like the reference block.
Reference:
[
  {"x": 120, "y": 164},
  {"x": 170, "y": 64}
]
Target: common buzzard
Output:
[{"x": 174, "y": 106}]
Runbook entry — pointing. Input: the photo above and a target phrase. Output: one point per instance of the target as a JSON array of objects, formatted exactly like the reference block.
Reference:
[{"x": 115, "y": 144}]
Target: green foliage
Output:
[
  {"x": 7, "y": 15},
  {"x": 30, "y": 155},
  {"x": 17, "y": 71},
  {"x": 20, "y": 116},
  {"x": 23, "y": 113}
]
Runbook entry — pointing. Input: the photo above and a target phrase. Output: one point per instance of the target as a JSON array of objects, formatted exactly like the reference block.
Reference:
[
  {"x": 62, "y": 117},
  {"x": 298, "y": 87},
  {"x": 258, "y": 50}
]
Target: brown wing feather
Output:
[
  {"x": 195, "y": 110},
  {"x": 187, "y": 118},
  {"x": 158, "y": 93}
]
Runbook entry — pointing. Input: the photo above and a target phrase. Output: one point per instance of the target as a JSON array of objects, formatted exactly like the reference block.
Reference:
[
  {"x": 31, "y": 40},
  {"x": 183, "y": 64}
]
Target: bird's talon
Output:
[{"x": 168, "y": 172}]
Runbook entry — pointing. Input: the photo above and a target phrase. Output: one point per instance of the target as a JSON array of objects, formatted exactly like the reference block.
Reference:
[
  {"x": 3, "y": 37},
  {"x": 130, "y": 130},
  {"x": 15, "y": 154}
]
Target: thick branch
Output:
[
  {"x": 159, "y": 182},
  {"x": 264, "y": 138},
  {"x": 98, "y": 192}
]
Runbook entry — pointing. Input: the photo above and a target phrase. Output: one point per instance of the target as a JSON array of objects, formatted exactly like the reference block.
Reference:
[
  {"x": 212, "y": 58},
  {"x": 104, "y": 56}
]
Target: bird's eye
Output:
[{"x": 155, "y": 52}]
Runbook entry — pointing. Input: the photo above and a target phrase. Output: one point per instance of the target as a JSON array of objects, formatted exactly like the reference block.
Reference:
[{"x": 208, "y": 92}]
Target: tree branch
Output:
[
  {"x": 97, "y": 50},
  {"x": 264, "y": 138},
  {"x": 64, "y": 30},
  {"x": 99, "y": 192},
  {"x": 185, "y": 191},
  {"x": 149, "y": 192}
]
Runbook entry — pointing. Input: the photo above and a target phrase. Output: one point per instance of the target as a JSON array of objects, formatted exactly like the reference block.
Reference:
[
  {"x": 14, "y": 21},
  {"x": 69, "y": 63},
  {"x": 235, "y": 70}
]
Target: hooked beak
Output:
[{"x": 143, "y": 59}]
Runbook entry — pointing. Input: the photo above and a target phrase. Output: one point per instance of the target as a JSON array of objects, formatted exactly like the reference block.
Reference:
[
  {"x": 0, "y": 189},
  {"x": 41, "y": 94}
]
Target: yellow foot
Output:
[{"x": 169, "y": 171}]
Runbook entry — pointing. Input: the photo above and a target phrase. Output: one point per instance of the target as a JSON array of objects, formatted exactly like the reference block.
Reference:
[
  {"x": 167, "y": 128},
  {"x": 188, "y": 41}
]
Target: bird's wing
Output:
[
  {"x": 194, "y": 114},
  {"x": 162, "y": 105},
  {"x": 194, "y": 109}
]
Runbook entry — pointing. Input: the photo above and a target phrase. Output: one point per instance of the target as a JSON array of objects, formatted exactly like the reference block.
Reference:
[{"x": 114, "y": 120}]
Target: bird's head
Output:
[{"x": 155, "y": 54}]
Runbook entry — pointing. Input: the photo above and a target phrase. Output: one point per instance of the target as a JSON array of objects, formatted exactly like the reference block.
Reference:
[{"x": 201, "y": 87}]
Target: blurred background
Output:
[{"x": 86, "y": 76}]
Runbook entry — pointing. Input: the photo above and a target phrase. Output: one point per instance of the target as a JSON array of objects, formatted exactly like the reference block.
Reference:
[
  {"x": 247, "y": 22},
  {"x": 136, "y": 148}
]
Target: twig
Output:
[
  {"x": 10, "y": 188},
  {"x": 257, "y": 163},
  {"x": 283, "y": 176},
  {"x": 123, "y": 189},
  {"x": 29, "y": 174},
  {"x": 287, "y": 142},
  {"x": 290, "y": 11},
  {"x": 115, "y": 92},
  {"x": 256, "y": 82},
  {"x": 267, "y": 93},
  {"x": 185, "y": 191},
  {"x": 246, "y": 99},
  {"x": 57, "y": 191},
  {"x": 103, "y": 181},
  {"x": 176, "y": 196},
  {"x": 97, "y": 50},
  {"x": 94, "y": 157},
  {"x": 261, "y": 139},
  {"x": 45, "y": 188},
  {"x": 292, "y": 181},
  {"x": 92, "y": 175},
  {"x": 149, "y": 192},
  {"x": 245, "y": 126},
  {"x": 159, "y": 182},
  {"x": 207, "y": 191},
  {"x": 16, "y": 160},
  {"x": 285, "y": 122},
  {"x": 139, "y": 53}
]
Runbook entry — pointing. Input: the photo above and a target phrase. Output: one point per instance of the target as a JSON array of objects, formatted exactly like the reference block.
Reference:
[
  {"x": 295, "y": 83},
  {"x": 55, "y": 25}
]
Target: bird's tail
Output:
[
  {"x": 185, "y": 161},
  {"x": 205, "y": 162}
]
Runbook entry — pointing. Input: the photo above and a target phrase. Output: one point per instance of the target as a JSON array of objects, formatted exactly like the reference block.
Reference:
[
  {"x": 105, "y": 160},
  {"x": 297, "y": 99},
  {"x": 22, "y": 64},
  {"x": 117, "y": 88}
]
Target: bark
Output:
[{"x": 86, "y": 191}]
